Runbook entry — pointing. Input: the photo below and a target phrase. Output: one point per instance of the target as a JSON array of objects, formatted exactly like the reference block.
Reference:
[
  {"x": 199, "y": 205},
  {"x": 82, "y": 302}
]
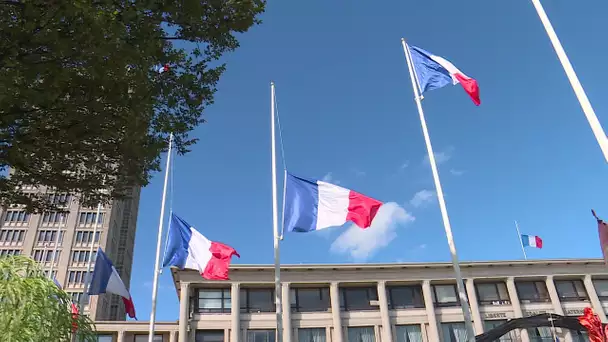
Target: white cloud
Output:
[
  {"x": 405, "y": 165},
  {"x": 359, "y": 173},
  {"x": 422, "y": 197},
  {"x": 361, "y": 244},
  {"x": 329, "y": 178},
  {"x": 456, "y": 172},
  {"x": 440, "y": 156}
]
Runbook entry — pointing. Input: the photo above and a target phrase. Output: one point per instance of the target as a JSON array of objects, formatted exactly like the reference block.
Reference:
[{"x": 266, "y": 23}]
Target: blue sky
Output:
[{"x": 348, "y": 115}]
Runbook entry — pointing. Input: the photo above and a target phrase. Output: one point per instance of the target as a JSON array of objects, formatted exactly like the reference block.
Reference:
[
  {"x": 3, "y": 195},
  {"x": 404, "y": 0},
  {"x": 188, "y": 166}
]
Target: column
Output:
[
  {"x": 286, "y": 312},
  {"x": 477, "y": 321},
  {"x": 173, "y": 336},
  {"x": 386, "y": 320},
  {"x": 335, "y": 311},
  {"x": 556, "y": 303},
  {"x": 235, "y": 312},
  {"x": 121, "y": 336},
  {"x": 595, "y": 300},
  {"x": 516, "y": 306},
  {"x": 430, "y": 311},
  {"x": 183, "y": 311}
]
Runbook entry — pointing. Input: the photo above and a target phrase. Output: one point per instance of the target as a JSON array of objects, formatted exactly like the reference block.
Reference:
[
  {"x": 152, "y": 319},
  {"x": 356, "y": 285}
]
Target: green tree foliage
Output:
[
  {"x": 80, "y": 90},
  {"x": 33, "y": 308}
]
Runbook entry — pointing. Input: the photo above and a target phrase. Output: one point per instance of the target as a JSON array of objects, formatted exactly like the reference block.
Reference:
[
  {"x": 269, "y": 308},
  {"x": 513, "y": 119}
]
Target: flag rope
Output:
[{"x": 276, "y": 105}]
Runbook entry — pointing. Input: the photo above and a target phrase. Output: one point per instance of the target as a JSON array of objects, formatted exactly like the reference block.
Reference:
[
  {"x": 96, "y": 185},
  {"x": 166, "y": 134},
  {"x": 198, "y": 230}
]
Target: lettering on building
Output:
[
  {"x": 574, "y": 312},
  {"x": 491, "y": 315},
  {"x": 534, "y": 312}
]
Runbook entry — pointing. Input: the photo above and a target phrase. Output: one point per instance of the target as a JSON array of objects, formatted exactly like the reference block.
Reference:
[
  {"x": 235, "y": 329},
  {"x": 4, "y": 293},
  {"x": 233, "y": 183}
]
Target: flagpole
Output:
[
  {"x": 54, "y": 254},
  {"x": 275, "y": 222},
  {"x": 520, "y": 241},
  {"x": 159, "y": 240},
  {"x": 87, "y": 275},
  {"x": 596, "y": 127},
  {"x": 464, "y": 303}
]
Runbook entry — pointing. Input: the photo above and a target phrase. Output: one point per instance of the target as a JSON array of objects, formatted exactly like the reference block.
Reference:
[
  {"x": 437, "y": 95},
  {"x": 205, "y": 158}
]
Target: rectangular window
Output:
[
  {"x": 309, "y": 299},
  {"x": 12, "y": 235},
  {"x": 4, "y": 252},
  {"x": 209, "y": 336},
  {"x": 257, "y": 300},
  {"x": 601, "y": 287},
  {"x": 87, "y": 218},
  {"x": 311, "y": 335},
  {"x": 359, "y": 298},
  {"x": 76, "y": 277},
  {"x": 405, "y": 297},
  {"x": 214, "y": 301},
  {"x": 54, "y": 217},
  {"x": 494, "y": 293},
  {"x": 50, "y": 236},
  {"x": 454, "y": 332},
  {"x": 361, "y": 334},
  {"x": 60, "y": 199},
  {"x": 511, "y": 336},
  {"x": 571, "y": 290},
  {"x": 144, "y": 338},
  {"x": 540, "y": 334},
  {"x": 532, "y": 291},
  {"x": 261, "y": 335},
  {"x": 445, "y": 295},
  {"x": 16, "y": 216},
  {"x": 82, "y": 256},
  {"x": 86, "y": 236},
  {"x": 408, "y": 333},
  {"x": 105, "y": 338}
]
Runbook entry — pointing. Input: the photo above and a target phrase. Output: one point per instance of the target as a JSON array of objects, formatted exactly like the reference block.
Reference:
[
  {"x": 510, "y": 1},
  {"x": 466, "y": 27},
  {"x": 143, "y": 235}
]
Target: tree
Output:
[
  {"x": 83, "y": 105},
  {"x": 33, "y": 308}
]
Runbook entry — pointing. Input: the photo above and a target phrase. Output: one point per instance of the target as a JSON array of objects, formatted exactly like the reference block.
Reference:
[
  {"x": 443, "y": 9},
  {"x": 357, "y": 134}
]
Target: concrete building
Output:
[
  {"x": 376, "y": 302},
  {"x": 61, "y": 243}
]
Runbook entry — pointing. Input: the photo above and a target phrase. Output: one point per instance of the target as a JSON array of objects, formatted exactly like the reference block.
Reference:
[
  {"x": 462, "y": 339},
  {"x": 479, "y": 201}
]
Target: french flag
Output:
[
  {"x": 187, "y": 248},
  {"x": 531, "y": 241},
  {"x": 106, "y": 280},
  {"x": 313, "y": 205},
  {"x": 434, "y": 72}
]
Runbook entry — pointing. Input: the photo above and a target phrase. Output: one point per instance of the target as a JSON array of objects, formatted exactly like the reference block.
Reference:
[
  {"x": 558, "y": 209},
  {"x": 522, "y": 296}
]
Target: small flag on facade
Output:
[
  {"x": 106, "y": 279},
  {"x": 187, "y": 248},
  {"x": 434, "y": 72},
  {"x": 312, "y": 205},
  {"x": 531, "y": 241},
  {"x": 602, "y": 230}
]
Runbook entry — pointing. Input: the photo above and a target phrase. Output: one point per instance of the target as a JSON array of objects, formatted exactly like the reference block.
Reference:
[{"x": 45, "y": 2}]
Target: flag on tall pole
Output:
[
  {"x": 415, "y": 67},
  {"x": 106, "y": 279},
  {"x": 313, "y": 205},
  {"x": 602, "y": 231},
  {"x": 159, "y": 243},
  {"x": 275, "y": 219},
  {"x": 596, "y": 127},
  {"x": 187, "y": 248}
]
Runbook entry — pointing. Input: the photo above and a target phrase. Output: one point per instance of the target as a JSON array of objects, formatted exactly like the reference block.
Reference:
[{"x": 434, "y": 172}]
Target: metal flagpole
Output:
[
  {"x": 596, "y": 127},
  {"x": 520, "y": 241},
  {"x": 159, "y": 243},
  {"x": 464, "y": 303},
  {"x": 275, "y": 222},
  {"x": 87, "y": 275},
  {"x": 54, "y": 255}
]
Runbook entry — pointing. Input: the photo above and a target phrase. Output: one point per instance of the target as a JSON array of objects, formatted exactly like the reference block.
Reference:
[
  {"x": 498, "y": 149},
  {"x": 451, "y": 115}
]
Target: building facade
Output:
[
  {"x": 377, "y": 302},
  {"x": 61, "y": 243}
]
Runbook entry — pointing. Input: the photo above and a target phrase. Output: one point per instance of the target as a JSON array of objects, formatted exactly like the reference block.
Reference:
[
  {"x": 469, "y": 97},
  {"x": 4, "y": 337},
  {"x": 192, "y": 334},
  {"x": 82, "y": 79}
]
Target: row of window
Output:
[
  {"x": 12, "y": 235},
  {"x": 50, "y": 236},
  {"x": 45, "y": 255},
  {"x": 450, "y": 332},
  {"x": 21, "y": 216},
  {"x": 82, "y": 256},
  {"x": 311, "y": 299},
  {"x": 4, "y": 252}
]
